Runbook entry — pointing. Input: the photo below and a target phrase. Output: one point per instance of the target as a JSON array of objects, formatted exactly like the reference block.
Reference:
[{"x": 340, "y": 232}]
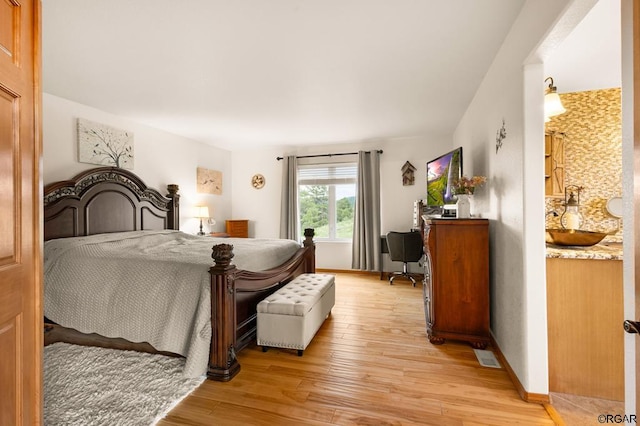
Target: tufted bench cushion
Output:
[{"x": 290, "y": 317}]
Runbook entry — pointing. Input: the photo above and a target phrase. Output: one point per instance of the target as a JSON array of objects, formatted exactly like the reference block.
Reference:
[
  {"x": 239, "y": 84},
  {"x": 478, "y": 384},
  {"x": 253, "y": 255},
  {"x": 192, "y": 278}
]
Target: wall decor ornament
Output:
[
  {"x": 104, "y": 145},
  {"x": 501, "y": 135},
  {"x": 258, "y": 181},
  {"x": 408, "y": 177},
  {"x": 209, "y": 181}
]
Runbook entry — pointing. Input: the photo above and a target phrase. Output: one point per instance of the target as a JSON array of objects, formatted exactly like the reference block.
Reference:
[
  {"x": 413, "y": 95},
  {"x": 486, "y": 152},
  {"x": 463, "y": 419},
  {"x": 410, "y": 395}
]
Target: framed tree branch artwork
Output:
[
  {"x": 104, "y": 145},
  {"x": 209, "y": 181}
]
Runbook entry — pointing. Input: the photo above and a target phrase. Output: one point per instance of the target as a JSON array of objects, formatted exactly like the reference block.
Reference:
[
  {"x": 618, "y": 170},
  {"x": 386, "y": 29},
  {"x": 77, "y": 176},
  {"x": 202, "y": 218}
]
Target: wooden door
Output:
[{"x": 20, "y": 217}]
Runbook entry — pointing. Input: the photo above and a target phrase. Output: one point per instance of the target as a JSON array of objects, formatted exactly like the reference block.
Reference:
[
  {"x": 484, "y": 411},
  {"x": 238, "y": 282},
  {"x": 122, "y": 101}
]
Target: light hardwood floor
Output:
[
  {"x": 583, "y": 411},
  {"x": 369, "y": 364}
]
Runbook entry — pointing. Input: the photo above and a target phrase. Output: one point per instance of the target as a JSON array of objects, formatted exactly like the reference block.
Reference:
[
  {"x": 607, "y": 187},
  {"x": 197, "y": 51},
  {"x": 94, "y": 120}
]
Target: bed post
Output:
[
  {"x": 173, "y": 218},
  {"x": 310, "y": 256},
  {"x": 223, "y": 364}
]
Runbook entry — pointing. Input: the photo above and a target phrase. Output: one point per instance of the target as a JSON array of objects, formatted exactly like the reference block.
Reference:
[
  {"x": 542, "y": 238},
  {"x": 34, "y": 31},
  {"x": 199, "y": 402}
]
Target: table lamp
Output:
[{"x": 202, "y": 212}]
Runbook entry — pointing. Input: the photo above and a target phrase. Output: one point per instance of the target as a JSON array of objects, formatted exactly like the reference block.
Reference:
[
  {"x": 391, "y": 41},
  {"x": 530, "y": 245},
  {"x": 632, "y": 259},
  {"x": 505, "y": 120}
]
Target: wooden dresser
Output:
[
  {"x": 238, "y": 228},
  {"x": 456, "y": 283}
]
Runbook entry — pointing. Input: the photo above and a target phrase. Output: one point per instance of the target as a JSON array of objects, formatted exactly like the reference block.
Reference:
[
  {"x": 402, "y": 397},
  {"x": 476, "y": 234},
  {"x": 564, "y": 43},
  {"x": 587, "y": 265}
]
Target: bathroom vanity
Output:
[{"x": 584, "y": 317}]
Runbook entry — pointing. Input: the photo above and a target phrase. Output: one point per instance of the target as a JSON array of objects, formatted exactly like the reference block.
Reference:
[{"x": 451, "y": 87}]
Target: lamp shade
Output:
[
  {"x": 202, "y": 211},
  {"x": 553, "y": 105}
]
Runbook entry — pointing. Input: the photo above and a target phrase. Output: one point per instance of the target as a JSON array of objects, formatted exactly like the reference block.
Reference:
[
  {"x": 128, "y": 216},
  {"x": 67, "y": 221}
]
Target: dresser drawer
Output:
[{"x": 238, "y": 228}]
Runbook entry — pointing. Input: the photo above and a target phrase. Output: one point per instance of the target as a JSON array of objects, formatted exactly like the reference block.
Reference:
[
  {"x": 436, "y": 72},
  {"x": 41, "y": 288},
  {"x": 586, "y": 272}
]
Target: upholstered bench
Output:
[{"x": 290, "y": 317}]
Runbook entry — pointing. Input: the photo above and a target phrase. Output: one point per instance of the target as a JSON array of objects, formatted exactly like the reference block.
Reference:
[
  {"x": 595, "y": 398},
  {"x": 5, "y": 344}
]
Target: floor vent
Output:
[{"x": 487, "y": 358}]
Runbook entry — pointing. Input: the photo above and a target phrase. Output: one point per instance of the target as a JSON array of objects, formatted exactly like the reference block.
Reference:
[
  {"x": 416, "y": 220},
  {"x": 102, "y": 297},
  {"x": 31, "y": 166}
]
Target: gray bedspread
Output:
[{"x": 146, "y": 286}]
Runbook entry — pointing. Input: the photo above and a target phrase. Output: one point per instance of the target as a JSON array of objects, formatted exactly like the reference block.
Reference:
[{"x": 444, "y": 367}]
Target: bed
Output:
[{"x": 114, "y": 205}]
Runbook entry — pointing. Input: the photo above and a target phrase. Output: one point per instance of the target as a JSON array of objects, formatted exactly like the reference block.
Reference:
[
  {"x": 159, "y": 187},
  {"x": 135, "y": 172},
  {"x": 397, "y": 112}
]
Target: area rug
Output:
[{"x": 86, "y": 385}]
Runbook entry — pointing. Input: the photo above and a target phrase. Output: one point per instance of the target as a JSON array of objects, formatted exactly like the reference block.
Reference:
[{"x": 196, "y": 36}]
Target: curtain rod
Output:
[{"x": 328, "y": 155}]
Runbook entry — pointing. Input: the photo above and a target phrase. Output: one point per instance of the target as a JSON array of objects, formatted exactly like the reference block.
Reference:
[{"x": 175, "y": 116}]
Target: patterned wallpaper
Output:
[{"x": 593, "y": 155}]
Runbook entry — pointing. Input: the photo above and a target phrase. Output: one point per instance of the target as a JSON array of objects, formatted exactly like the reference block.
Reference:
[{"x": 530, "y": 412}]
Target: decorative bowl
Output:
[{"x": 571, "y": 237}]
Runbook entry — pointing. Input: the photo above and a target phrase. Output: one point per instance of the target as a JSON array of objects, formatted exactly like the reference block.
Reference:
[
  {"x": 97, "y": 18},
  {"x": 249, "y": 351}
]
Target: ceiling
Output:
[
  {"x": 590, "y": 57},
  {"x": 238, "y": 74}
]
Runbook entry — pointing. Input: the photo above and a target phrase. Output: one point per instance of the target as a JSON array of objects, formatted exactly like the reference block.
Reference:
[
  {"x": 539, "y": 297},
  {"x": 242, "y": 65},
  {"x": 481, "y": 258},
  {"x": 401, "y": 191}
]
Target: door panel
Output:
[
  {"x": 21, "y": 339},
  {"x": 9, "y": 367},
  {"x": 8, "y": 202},
  {"x": 9, "y": 19}
]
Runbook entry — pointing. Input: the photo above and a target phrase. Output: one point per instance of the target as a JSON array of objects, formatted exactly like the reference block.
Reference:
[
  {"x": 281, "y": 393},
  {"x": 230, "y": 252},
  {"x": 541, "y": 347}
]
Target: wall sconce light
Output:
[
  {"x": 552, "y": 103},
  {"x": 571, "y": 218},
  {"x": 202, "y": 212}
]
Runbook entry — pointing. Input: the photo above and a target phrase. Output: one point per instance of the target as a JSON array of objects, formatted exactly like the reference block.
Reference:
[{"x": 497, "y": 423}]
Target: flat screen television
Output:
[{"x": 441, "y": 172}]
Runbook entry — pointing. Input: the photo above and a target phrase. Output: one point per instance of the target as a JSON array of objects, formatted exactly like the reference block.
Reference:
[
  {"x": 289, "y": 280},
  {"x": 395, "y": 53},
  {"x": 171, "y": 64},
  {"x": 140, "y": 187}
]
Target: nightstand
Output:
[{"x": 238, "y": 228}]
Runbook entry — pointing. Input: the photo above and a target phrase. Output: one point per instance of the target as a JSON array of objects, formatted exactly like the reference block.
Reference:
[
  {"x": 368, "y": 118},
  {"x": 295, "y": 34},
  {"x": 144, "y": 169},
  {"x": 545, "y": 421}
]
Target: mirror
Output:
[{"x": 614, "y": 207}]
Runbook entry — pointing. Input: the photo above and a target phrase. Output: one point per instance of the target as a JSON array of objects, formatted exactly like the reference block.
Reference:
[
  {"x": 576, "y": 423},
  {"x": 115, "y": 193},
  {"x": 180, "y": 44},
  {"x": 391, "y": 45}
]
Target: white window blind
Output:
[{"x": 327, "y": 174}]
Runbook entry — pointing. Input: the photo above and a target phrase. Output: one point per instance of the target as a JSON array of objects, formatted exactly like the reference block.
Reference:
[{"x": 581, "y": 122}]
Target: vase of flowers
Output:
[
  {"x": 466, "y": 185},
  {"x": 464, "y": 188}
]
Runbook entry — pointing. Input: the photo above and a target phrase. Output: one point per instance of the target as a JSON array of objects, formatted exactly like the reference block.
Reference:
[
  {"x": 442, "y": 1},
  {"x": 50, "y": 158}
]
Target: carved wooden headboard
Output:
[{"x": 107, "y": 199}]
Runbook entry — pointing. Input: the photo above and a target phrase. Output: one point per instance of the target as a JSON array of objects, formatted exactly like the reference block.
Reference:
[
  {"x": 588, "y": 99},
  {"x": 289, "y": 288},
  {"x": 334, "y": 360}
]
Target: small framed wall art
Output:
[
  {"x": 104, "y": 145},
  {"x": 209, "y": 181}
]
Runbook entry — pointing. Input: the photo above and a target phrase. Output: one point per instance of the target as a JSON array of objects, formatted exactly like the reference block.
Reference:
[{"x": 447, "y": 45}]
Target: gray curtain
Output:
[
  {"x": 366, "y": 224},
  {"x": 289, "y": 204}
]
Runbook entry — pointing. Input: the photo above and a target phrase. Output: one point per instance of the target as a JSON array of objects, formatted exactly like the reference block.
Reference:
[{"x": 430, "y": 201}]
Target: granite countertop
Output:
[{"x": 610, "y": 248}]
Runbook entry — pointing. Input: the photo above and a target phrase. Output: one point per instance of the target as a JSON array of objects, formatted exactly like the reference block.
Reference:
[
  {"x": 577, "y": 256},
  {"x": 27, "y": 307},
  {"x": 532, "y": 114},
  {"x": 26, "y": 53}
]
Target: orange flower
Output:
[{"x": 466, "y": 185}]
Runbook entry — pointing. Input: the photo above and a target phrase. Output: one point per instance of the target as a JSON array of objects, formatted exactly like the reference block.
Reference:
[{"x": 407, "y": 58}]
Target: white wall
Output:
[
  {"x": 513, "y": 90},
  {"x": 262, "y": 207},
  {"x": 160, "y": 158}
]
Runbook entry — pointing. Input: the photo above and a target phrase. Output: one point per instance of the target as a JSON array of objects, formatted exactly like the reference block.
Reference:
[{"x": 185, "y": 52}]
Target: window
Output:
[{"x": 326, "y": 197}]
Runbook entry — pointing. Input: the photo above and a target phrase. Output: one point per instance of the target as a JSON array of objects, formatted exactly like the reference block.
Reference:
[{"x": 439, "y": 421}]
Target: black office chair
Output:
[{"x": 404, "y": 247}]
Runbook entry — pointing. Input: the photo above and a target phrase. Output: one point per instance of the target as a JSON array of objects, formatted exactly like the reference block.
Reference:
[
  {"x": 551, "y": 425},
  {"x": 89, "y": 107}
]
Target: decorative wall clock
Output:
[{"x": 257, "y": 181}]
